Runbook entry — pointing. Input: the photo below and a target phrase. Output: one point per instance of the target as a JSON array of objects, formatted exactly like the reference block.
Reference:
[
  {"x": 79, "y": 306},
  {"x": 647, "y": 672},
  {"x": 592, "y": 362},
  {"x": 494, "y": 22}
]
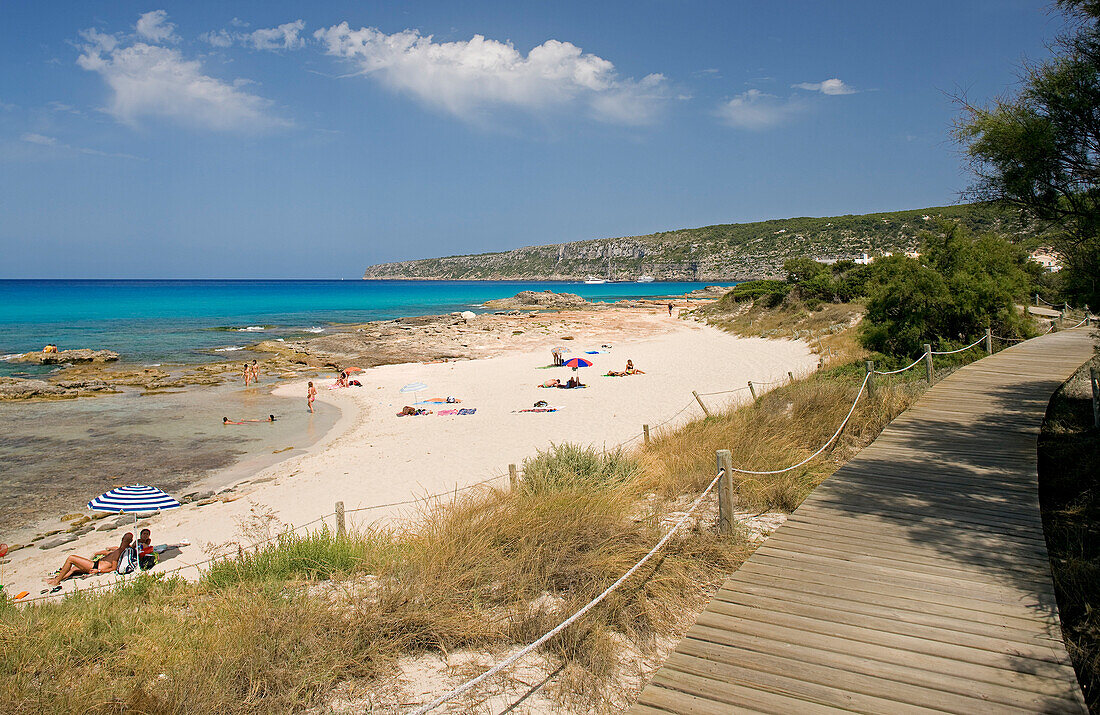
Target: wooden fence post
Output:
[
  {"x": 752, "y": 390},
  {"x": 790, "y": 376},
  {"x": 645, "y": 433},
  {"x": 513, "y": 476},
  {"x": 700, "y": 401},
  {"x": 928, "y": 362},
  {"x": 988, "y": 341},
  {"x": 1036, "y": 300},
  {"x": 870, "y": 378},
  {"x": 1094, "y": 378},
  {"x": 726, "y": 496},
  {"x": 340, "y": 528}
]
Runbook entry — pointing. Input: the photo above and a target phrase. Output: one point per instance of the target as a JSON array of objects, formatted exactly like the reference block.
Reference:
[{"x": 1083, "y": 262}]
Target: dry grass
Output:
[
  {"x": 782, "y": 428},
  {"x": 826, "y": 327},
  {"x": 276, "y": 629}
]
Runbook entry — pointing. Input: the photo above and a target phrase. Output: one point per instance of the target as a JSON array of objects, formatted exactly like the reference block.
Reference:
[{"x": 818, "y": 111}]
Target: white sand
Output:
[{"x": 374, "y": 457}]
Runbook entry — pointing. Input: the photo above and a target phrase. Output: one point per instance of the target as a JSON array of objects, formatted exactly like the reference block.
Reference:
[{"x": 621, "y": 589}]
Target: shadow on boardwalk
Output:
[{"x": 915, "y": 577}]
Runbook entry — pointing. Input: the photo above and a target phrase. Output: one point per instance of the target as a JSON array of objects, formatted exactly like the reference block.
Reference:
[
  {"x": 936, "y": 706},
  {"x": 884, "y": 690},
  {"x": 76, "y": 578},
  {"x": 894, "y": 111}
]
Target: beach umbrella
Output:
[
  {"x": 414, "y": 387},
  {"x": 133, "y": 499},
  {"x": 577, "y": 362}
]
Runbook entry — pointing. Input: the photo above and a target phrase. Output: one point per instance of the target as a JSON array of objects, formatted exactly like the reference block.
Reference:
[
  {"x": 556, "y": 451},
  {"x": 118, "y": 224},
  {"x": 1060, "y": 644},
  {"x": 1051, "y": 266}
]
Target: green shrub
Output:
[{"x": 568, "y": 467}]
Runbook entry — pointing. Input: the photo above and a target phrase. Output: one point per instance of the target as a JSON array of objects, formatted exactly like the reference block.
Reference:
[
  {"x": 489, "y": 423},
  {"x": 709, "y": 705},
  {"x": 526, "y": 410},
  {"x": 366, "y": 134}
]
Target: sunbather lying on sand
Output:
[
  {"x": 551, "y": 383},
  {"x": 106, "y": 562},
  {"x": 409, "y": 410},
  {"x": 628, "y": 371}
]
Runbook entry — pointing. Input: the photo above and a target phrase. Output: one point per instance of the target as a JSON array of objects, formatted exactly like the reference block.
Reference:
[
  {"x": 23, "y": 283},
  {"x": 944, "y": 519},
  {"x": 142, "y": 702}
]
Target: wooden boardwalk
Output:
[{"x": 915, "y": 579}]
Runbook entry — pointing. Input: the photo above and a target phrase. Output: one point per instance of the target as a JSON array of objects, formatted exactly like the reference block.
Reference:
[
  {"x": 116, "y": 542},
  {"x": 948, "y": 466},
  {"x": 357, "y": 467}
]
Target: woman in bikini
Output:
[
  {"x": 108, "y": 561},
  {"x": 311, "y": 395},
  {"x": 247, "y": 374}
]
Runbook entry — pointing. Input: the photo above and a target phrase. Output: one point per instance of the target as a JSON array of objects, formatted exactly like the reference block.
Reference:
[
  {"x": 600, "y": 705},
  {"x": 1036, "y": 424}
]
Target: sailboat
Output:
[{"x": 644, "y": 279}]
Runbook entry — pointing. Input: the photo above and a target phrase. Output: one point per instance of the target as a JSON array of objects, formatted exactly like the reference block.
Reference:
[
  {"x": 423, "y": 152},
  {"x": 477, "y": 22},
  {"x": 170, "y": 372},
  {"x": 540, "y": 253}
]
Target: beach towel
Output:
[
  {"x": 591, "y": 352},
  {"x": 468, "y": 411},
  {"x": 540, "y": 409},
  {"x": 447, "y": 412}
]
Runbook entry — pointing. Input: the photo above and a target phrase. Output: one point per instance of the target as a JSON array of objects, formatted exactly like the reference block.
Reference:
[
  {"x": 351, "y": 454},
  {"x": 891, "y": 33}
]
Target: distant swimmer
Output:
[
  {"x": 227, "y": 421},
  {"x": 311, "y": 395}
]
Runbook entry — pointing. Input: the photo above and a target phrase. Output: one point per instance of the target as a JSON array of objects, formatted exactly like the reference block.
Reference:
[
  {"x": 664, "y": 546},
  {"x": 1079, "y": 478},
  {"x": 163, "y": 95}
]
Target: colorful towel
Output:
[
  {"x": 540, "y": 409},
  {"x": 467, "y": 411},
  {"x": 447, "y": 412}
]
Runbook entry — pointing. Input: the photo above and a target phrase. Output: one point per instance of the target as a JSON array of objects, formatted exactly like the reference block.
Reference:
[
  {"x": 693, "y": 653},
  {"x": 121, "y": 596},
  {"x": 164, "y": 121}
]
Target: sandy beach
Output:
[{"x": 372, "y": 457}]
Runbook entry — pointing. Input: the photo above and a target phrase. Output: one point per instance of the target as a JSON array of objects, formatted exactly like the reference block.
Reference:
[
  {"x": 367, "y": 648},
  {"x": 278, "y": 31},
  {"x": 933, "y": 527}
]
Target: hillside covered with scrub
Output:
[{"x": 734, "y": 251}]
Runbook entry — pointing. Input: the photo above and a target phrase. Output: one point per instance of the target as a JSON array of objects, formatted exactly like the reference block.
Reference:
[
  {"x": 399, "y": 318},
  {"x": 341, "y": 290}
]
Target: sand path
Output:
[{"x": 373, "y": 457}]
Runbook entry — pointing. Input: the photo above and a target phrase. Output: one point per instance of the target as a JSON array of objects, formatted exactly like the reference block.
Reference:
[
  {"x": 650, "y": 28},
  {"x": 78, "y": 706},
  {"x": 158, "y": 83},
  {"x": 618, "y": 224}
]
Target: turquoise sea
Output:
[
  {"x": 193, "y": 321},
  {"x": 55, "y": 456}
]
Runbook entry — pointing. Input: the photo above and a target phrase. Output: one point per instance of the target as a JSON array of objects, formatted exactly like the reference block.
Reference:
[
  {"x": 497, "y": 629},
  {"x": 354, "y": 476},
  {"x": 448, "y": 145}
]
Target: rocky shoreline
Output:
[{"x": 529, "y": 318}]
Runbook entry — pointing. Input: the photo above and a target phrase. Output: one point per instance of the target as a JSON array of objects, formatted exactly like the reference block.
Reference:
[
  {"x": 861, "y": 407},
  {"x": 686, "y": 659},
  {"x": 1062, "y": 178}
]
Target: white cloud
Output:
[
  {"x": 758, "y": 110},
  {"x": 152, "y": 80},
  {"x": 31, "y": 138},
  {"x": 283, "y": 37},
  {"x": 830, "y": 86},
  {"x": 154, "y": 26},
  {"x": 220, "y": 38},
  {"x": 42, "y": 140},
  {"x": 468, "y": 77}
]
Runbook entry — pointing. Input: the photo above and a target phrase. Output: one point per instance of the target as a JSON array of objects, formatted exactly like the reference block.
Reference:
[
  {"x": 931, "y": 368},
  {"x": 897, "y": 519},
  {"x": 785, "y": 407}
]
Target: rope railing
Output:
[
  {"x": 825, "y": 446},
  {"x": 910, "y": 366},
  {"x": 465, "y": 687},
  {"x": 952, "y": 352}
]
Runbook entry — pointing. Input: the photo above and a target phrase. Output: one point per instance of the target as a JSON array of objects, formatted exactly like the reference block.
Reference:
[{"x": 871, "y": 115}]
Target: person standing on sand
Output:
[
  {"x": 247, "y": 375},
  {"x": 255, "y": 372},
  {"x": 311, "y": 395},
  {"x": 670, "y": 309}
]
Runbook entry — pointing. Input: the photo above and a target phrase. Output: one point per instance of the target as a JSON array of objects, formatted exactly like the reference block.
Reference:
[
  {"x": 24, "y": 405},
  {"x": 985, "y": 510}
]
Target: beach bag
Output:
[
  {"x": 127, "y": 561},
  {"x": 147, "y": 559}
]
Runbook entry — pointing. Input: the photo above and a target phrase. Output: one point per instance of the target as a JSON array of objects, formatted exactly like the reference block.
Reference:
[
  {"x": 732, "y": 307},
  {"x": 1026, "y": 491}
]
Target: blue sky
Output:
[{"x": 293, "y": 140}]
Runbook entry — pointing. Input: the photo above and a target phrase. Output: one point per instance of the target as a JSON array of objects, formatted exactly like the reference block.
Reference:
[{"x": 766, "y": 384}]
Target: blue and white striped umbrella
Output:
[
  {"x": 133, "y": 500},
  {"x": 414, "y": 387}
]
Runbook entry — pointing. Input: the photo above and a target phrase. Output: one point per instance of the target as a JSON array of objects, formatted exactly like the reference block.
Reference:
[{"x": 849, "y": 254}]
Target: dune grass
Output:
[{"x": 275, "y": 628}]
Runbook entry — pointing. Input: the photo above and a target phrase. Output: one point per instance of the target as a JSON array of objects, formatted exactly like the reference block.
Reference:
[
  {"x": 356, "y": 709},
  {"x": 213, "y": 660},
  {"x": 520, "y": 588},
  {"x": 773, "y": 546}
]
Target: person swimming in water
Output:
[{"x": 227, "y": 421}]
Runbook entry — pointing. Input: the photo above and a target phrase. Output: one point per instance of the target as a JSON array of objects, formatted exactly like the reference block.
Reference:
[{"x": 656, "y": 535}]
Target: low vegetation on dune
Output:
[
  {"x": 1069, "y": 492},
  {"x": 277, "y": 627}
]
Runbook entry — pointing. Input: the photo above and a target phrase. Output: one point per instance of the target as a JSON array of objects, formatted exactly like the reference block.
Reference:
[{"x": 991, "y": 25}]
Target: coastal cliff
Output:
[{"x": 711, "y": 253}]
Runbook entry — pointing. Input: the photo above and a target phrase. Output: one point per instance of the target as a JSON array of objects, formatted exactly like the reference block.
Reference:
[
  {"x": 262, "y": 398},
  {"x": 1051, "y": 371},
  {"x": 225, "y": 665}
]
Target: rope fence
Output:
[
  {"x": 903, "y": 369},
  {"x": 952, "y": 352},
  {"x": 465, "y": 687}
]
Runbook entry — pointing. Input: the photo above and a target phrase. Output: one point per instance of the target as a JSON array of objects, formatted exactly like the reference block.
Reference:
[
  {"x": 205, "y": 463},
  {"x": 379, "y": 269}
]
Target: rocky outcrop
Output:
[
  {"x": 18, "y": 389},
  {"x": 708, "y": 292},
  {"x": 539, "y": 299},
  {"x": 81, "y": 355},
  {"x": 13, "y": 389}
]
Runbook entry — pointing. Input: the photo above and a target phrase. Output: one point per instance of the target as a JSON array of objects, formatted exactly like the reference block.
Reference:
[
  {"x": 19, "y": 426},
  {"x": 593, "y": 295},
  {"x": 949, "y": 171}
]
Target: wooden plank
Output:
[
  {"x": 966, "y": 647},
  {"x": 961, "y": 609},
  {"x": 885, "y": 681},
  {"x": 682, "y": 664},
  {"x": 916, "y": 578}
]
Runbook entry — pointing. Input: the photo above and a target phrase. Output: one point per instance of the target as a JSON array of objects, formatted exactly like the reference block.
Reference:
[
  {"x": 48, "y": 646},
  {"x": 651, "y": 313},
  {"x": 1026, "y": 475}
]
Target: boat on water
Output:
[
  {"x": 644, "y": 279},
  {"x": 595, "y": 281}
]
